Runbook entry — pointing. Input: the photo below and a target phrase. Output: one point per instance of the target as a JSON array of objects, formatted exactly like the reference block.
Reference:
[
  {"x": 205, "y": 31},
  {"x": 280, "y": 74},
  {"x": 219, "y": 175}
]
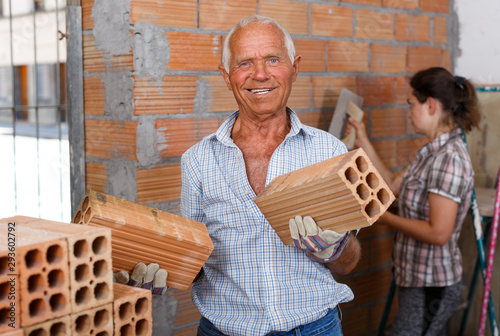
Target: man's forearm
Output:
[{"x": 348, "y": 259}]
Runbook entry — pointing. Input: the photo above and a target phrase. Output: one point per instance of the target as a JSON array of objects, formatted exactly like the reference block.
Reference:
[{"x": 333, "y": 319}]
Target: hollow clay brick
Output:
[
  {"x": 89, "y": 258},
  {"x": 95, "y": 321},
  {"x": 59, "y": 326},
  {"x": 132, "y": 310},
  {"x": 341, "y": 194},
  {"x": 15, "y": 332},
  {"x": 145, "y": 234}
]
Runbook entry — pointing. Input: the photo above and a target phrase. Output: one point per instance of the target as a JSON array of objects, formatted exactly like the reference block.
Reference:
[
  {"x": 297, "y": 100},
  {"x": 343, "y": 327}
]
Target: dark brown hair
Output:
[{"x": 456, "y": 94}]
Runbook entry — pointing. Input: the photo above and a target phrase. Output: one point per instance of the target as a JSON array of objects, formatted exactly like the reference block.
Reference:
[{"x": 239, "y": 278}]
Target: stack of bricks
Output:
[
  {"x": 341, "y": 194},
  {"x": 145, "y": 234},
  {"x": 56, "y": 279}
]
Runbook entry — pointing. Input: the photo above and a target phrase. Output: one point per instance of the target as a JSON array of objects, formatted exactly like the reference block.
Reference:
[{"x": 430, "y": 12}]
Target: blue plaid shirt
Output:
[{"x": 253, "y": 284}]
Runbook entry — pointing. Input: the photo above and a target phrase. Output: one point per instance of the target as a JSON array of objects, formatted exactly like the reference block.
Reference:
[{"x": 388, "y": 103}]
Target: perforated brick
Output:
[
  {"x": 89, "y": 258},
  {"x": 132, "y": 310},
  {"x": 95, "y": 321},
  {"x": 341, "y": 194},
  {"x": 59, "y": 326}
]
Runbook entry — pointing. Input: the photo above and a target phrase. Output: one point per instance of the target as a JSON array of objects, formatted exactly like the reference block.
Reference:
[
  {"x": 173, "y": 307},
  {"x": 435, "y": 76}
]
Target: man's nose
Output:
[{"x": 260, "y": 71}]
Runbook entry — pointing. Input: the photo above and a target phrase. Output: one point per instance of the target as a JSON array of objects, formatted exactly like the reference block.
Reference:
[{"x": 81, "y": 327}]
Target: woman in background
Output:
[{"x": 434, "y": 197}]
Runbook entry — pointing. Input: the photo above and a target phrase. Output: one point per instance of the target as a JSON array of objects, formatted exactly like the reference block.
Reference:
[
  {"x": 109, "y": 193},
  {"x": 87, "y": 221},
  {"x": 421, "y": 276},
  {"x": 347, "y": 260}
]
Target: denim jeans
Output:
[{"x": 328, "y": 325}]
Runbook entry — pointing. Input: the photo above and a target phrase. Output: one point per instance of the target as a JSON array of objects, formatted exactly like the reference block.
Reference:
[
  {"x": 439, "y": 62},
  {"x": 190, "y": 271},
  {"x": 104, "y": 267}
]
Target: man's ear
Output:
[
  {"x": 225, "y": 75},
  {"x": 295, "y": 65}
]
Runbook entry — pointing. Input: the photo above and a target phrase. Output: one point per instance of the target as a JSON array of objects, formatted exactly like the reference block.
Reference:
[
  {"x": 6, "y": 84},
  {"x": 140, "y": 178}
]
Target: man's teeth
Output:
[{"x": 260, "y": 91}]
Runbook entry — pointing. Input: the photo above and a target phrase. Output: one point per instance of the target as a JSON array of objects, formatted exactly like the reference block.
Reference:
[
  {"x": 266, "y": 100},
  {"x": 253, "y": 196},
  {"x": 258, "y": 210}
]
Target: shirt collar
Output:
[
  {"x": 437, "y": 143},
  {"x": 223, "y": 134}
]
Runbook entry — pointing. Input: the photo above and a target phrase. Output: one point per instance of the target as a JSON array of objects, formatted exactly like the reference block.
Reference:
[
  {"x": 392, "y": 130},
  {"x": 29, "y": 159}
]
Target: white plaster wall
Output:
[{"x": 478, "y": 57}]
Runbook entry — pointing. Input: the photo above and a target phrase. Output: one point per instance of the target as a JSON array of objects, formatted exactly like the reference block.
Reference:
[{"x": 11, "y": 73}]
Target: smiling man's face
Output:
[{"x": 260, "y": 71}]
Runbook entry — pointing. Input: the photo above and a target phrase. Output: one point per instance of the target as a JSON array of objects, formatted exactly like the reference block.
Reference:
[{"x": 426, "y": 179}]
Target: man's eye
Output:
[{"x": 273, "y": 61}]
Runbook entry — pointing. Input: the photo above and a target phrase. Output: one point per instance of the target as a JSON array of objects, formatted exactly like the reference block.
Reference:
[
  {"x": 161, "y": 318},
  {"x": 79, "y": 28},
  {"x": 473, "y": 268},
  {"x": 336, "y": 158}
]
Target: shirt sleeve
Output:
[
  {"x": 191, "y": 191},
  {"x": 447, "y": 176}
]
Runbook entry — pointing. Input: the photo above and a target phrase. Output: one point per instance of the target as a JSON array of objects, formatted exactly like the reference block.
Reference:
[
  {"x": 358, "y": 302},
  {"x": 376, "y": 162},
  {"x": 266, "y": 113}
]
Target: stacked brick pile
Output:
[{"x": 56, "y": 279}]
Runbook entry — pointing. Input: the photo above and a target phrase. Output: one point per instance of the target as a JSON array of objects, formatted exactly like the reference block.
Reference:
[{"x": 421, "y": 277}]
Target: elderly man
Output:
[{"x": 252, "y": 283}]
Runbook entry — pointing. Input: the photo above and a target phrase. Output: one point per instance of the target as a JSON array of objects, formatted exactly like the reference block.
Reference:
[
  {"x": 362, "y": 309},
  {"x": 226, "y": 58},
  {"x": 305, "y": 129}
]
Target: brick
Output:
[
  {"x": 95, "y": 321},
  {"x": 175, "y": 136},
  {"x": 376, "y": 90},
  {"x": 217, "y": 97},
  {"x": 94, "y": 95},
  {"x": 89, "y": 260},
  {"x": 380, "y": 252},
  {"x": 96, "y": 176},
  {"x": 388, "y": 122},
  {"x": 132, "y": 310},
  {"x": 440, "y": 30},
  {"x": 423, "y": 57},
  {"x": 87, "y": 21},
  {"x": 171, "y": 95},
  {"x": 159, "y": 184},
  {"x": 365, "y": 2},
  {"x": 402, "y": 90},
  {"x": 165, "y": 13},
  {"x": 187, "y": 313},
  {"x": 375, "y": 230},
  {"x": 374, "y": 24},
  {"x": 110, "y": 139},
  {"x": 57, "y": 326},
  {"x": 378, "y": 309},
  {"x": 407, "y": 150},
  {"x": 222, "y": 15},
  {"x": 96, "y": 60},
  {"x": 15, "y": 332},
  {"x": 7, "y": 269},
  {"x": 313, "y": 119},
  {"x": 447, "y": 60},
  {"x": 356, "y": 320},
  {"x": 347, "y": 56},
  {"x": 388, "y": 58},
  {"x": 293, "y": 15},
  {"x": 440, "y": 6},
  {"x": 405, "y": 4},
  {"x": 344, "y": 193},
  {"x": 371, "y": 286},
  {"x": 411, "y": 28},
  {"x": 313, "y": 55},
  {"x": 193, "y": 51},
  {"x": 144, "y": 234},
  {"x": 326, "y": 90},
  {"x": 300, "y": 97},
  {"x": 386, "y": 150},
  {"x": 331, "y": 20}
]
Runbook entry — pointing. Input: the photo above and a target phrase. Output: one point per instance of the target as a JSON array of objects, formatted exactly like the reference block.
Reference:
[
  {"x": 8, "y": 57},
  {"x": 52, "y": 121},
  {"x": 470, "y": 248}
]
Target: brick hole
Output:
[
  {"x": 351, "y": 175},
  {"x": 5, "y": 317},
  {"x": 87, "y": 216},
  {"x": 82, "y": 296},
  {"x": 85, "y": 203},
  {"x": 35, "y": 283},
  {"x": 101, "y": 318},
  {"x": 127, "y": 330},
  {"x": 4, "y": 291},
  {"x": 99, "y": 245},
  {"x": 4, "y": 266},
  {"x": 33, "y": 259},
  {"x": 372, "y": 180},
  {"x": 383, "y": 196},
  {"x": 103, "y": 333},
  {"x": 125, "y": 311},
  {"x": 56, "y": 278},
  {"x": 142, "y": 327},
  {"x": 57, "y": 302},
  {"x": 38, "y": 332},
  {"x": 82, "y": 324},
  {"x": 81, "y": 249},
  {"x": 363, "y": 191},
  {"x": 82, "y": 272},
  {"x": 372, "y": 208},
  {"x": 58, "y": 329},
  {"x": 141, "y": 306},
  {"x": 100, "y": 268},
  {"x": 101, "y": 291},
  {"x": 78, "y": 217},
  {"x": 37, "y": 308},
  {"x": 55, "y": 254},
  {"x": 361, "y": 164}
]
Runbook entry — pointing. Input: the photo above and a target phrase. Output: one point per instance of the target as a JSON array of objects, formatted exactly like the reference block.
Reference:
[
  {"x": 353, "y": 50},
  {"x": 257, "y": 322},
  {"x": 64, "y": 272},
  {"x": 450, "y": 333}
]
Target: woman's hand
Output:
[{"x": 361, "y": 136}]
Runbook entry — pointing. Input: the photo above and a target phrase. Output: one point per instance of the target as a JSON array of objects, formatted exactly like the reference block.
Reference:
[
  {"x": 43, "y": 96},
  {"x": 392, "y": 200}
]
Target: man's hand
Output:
[
  {"x": 148, "y": 277},
  {"x": 320, "y": 246}
]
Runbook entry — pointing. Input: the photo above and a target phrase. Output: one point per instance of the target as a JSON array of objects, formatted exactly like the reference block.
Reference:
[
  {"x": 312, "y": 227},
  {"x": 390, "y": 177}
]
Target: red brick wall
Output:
[{"x": 367, "y": 46}]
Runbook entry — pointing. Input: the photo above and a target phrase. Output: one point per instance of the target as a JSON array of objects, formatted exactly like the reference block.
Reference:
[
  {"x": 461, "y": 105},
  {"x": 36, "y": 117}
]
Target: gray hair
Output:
[{"x": 264, "y": 20}]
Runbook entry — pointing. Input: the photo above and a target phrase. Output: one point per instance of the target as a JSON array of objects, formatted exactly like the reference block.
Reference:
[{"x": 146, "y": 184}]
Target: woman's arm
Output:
[{"x": 437, "y": 230}]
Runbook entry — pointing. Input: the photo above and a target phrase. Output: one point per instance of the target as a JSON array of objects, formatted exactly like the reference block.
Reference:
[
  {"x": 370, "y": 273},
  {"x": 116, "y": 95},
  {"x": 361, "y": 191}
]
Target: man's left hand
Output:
[{"x": 320, "y": 246}]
